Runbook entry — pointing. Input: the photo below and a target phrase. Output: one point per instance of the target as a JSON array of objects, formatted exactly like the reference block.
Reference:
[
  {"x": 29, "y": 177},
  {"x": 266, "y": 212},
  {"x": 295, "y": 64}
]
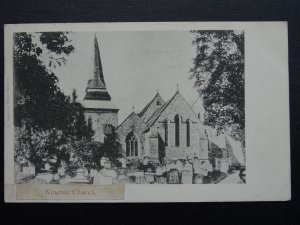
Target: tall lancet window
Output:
[
  {"x": 131, "y": 145},
  {"x": 177, "y": 130},
  {"x": 166, "y": 132},
  {"x": 188, "y": 133}
]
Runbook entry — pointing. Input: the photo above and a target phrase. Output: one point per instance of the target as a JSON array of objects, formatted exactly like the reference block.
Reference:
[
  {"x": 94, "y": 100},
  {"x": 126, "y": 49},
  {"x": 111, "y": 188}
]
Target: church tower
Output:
[{"x": 97, "y": 101}]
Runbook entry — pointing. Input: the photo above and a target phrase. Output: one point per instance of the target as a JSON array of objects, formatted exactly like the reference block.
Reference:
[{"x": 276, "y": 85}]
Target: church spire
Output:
[
  {"x": 98, "y": 72},
  {"x": 97, "y": 82},
  {"x": 96, "y": 87}
]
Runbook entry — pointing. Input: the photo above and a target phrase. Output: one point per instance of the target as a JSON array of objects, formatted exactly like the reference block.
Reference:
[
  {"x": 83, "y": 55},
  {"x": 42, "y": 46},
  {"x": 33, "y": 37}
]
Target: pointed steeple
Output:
[
  {"x": 98, "y": 71},
  {"x": 96, "y": 87}
]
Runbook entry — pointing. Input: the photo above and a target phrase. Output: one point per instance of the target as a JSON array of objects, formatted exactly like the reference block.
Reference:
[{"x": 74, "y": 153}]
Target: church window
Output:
[
  {"x": 188, "y": 133},
  {"x": 131, "y": 145},
  {"x": 177, "y": 130},
  {"x": 166, "y": 132}
]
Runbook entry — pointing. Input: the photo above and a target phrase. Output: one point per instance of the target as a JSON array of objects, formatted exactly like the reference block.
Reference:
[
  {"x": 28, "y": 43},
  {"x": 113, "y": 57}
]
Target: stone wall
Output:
[
  {"x": 198, "y": 143},
  {"x": 132, "y": 123},
  {"x": 99, "y": 119}
]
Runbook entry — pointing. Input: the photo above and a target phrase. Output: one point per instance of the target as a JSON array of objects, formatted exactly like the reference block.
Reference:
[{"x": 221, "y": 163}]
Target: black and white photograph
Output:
[
  {"x": 129, "y": 107},
  {"x": 138, "y": 112}
]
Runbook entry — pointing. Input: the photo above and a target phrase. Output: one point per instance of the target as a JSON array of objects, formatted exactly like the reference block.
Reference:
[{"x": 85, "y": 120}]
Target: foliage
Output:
[
  {"x": 219, "y": 75},
  {"x": 46, "y": 120},
  {"x": 88, "y": 153},
  {"x": 111, "y": 147}
]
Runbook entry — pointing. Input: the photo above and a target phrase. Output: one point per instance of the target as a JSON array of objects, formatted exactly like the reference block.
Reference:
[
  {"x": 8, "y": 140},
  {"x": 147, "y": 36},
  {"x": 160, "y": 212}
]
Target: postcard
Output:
[{"x": 147, "y": 112}]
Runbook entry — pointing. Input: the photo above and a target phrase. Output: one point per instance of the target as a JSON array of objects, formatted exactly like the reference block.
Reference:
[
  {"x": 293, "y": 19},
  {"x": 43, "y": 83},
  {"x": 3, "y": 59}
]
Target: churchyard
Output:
[{"x": 135, "y": 171}]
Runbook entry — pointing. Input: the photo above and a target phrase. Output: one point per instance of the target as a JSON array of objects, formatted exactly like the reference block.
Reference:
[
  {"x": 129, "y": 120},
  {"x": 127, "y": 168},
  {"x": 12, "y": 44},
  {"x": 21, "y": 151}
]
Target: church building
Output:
[
  {"x": 162, "y": 129},
  {"x": 97, "y": 102}
]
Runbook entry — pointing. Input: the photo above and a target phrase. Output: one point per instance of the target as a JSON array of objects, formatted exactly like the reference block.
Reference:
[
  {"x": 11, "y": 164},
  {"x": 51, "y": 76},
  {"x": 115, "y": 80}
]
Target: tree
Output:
[
  {"x": 111, "y": 147},
  {"x": 46, "y": 120},
  {"x": 219, "y": 75}
]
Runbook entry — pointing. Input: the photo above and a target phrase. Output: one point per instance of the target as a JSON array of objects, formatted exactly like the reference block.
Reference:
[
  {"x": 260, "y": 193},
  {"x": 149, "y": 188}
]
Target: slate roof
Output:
[
  {"x": 98, "y": 71},
  {"x": 97, "y": 95}
]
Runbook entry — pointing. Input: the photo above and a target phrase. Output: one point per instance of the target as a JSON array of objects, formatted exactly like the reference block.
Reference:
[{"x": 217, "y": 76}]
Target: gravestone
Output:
[
  {"x": 173, "y": 177},
  {"x": 47, "y": 166},
  {"x": 25, "y": 171},
  {"x": 97, "y": 178},
  {"x": 56, "y": 177},
  {"x": 149, "y": 178},
  {"x": 187, "y": 174},
  {"x": 123, "y": 162},
  {"x": 107, "y": 164},
  {"x": 92, "y": 172},
  {"x": 31, "y": 170},
  {"x": 198, "y": 179},
  {"x": 103, "y": 160},
  {"x": 61, "y": 171}
]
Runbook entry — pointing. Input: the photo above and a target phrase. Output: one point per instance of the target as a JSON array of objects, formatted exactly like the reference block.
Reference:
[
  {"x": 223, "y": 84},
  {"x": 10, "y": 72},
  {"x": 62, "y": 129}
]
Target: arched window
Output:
[
  {"x": 166, "y": 132},
  {"x": 188, "y": 133},
  {"x": 131, "y": 145},
  {"x": 177, "y": 130}
]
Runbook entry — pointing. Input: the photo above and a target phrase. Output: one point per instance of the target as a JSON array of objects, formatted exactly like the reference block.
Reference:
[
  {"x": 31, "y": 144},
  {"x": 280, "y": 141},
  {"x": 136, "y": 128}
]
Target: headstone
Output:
[
  {"x": 209, "y": 167},
  {"x": 224, "y": 166},
  {"x": 31, "y": 169},
  {"x": 179, "y": 165},
  {"x": 25, "y": 171},
  {"x": 123, "y": 162},
  {"x": 173, "y": 177},
  {"x": 198, "y": 179},
  {"x": 47, "y": 166},
  {"x": 203, "y": 169},
  {"x": 86, "y": 173},
  {"x": 197, "y": 166},
  {"x": 107, "y": 164},
  {"x": 92, "y": 172},
  {"x": 80, "y": 174},
  {"x": 159, "y": 171},
  {"x": 187, "y": 174},
  {"x": 56, "y": 177},
  {"x": 97, "y": 178},
  {"x": 61, "y": 171},
  {"x": 109, "y": 173},
  {"x": 103, "y": 160},
  {"x": 149, "y": 178},
  {"x": 145, "y": 160}
]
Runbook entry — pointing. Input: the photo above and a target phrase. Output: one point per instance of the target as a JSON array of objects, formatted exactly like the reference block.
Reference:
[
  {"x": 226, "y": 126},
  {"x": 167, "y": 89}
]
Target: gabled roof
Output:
[
  {"x": 141, "y": 113},
  {"x": 159, "y": 111},
  {"x": 131, "y": 114}
]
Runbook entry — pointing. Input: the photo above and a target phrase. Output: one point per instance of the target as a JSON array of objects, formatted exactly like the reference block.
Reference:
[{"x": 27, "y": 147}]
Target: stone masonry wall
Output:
[
  {"x": 197, "y": 146},
  {"x": 99, "y": 118},
  {"x": 136, "y": 124}
]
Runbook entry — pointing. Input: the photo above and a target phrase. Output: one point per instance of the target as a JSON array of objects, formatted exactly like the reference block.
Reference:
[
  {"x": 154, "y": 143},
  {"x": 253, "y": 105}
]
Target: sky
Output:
[{"x": 136, "y": 64}]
